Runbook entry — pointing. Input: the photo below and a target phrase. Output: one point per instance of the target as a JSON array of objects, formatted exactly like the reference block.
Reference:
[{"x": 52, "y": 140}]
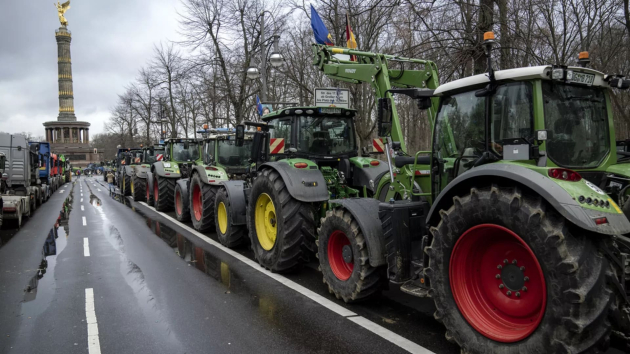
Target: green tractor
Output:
[
  {"x": 180, "y": 156},
  {"x": 221, "y": 161},
  {"x": 303, "y": 157},
  {"x": 132, "y": 158},
  {"x": 519, "y": 247},
  {"x": 139, "y": 168}
]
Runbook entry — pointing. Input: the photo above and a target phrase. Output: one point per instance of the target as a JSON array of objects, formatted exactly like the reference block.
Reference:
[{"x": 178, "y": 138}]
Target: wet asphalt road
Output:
[{"x": 160, "y": 287}]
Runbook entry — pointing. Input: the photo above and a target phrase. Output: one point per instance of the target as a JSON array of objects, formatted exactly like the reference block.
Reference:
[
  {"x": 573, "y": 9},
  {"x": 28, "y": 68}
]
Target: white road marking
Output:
[
  {"x": 82, "y": 207},
  {"x": 380, "y": 331},
  {"x": 86, "y": 247},
  {"x": 81, "y": 194},
  {"x": 98, "y": 189},
  {"x": 94, "y": 345},
  {"x": 81, "y": 199},
  {"x": 61, "y": 191},
  {"x": 84, "y": 221}
]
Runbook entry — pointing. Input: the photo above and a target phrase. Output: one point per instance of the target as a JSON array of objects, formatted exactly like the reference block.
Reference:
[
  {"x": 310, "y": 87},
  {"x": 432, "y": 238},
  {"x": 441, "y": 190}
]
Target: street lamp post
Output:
[{"x": 276, "y": 59}]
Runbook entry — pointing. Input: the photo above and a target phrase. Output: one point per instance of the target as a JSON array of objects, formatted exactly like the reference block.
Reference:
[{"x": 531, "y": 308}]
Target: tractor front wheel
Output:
[
  {"x": 279, "y": 225},
  {"x": 506, "y": 269},
  {"x": 202, "y": 204},
  {"x": 230, "y": 235},
  {"x": 343, "y": 258},
  {"x": 163, "y": 193},
  {"x": 138, "y": 186},
  {"x": 182, "y": 210}
]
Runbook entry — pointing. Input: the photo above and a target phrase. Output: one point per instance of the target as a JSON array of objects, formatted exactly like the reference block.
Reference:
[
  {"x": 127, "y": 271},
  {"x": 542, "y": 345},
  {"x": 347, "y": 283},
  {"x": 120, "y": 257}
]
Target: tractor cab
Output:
[
  {"x": 320, "y": 134},
  {"x": 153, "y": 154},
  {"x": 220, "y": 149},
  {"x": 555, "y": 118},
  {"x": 318, "y": 138},
  {"x": 182, "y": 154}
]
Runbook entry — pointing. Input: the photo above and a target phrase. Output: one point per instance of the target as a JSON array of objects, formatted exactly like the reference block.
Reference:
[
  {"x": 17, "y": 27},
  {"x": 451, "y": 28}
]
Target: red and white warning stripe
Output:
[
  {"x": 159, "y": 157},
  {"x": 377, "y": 145},
  {"x": 276, "y": 146}
]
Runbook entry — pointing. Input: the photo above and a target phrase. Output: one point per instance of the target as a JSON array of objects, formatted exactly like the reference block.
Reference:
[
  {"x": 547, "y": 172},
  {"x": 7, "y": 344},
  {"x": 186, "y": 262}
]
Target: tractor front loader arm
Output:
[{"x": 374, "y": 68}]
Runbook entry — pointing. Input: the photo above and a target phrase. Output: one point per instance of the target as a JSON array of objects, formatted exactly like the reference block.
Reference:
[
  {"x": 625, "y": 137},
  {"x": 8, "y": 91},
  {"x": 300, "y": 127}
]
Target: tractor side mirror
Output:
[
  {"x": 258, "y": 148},
  {"x": 424, "y": 103},
  {"x": 127, "y": 160},
  {"x": 3, "y": 159},
  {"x": 240, "y": 135},
  {"x": 384, "y": 116}
]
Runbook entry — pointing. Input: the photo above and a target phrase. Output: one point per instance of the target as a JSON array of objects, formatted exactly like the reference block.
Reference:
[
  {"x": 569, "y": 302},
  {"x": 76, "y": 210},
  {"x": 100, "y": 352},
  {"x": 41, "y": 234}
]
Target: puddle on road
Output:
[
  {"x": 40, "y": 289},
  {"x": 196, "y": 256}
]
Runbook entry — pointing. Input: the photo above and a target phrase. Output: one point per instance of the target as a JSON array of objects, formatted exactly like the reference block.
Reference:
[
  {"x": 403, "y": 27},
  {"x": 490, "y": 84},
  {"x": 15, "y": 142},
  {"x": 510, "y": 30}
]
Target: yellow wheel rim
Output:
[
  {"x": 222, "y": 217},
  {"x": 266, "y": 222},
  {"x": 132, "y": 186}
]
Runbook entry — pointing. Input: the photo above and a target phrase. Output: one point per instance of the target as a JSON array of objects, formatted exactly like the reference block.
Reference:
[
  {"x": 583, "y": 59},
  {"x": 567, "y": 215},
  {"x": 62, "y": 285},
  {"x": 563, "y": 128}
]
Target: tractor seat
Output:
[{"x": 402, "y": 161}]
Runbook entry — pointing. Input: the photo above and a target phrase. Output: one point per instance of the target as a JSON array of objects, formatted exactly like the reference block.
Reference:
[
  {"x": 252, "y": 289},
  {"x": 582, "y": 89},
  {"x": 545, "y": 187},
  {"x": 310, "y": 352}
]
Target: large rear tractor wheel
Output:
[
  {"x": 138, "y": 188},
  {"x": 127, "y": 185},
  {"x": 202, "y": 204},
  {"x": 182, "y": 210},
  {"x": 149, "y": 196},
  {"x": 508, "y": 272},
  {"x": 280, "y": 227},
  {"x": 163, "y": 193},
  {"x": 343, "y": 258},
  {"x": 230, "y": 235}
]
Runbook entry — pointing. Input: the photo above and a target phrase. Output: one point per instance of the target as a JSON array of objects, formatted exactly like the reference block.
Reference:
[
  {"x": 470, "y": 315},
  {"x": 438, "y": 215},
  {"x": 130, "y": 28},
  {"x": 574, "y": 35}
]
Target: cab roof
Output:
[
  {"x": 315, "y": 110},
  {"x": 518, "y": 74}
]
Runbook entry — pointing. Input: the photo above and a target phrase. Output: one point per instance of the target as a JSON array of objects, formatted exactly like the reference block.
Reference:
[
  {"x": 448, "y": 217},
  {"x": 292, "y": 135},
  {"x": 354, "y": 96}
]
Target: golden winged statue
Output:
[{"x": 61, "y": 9}]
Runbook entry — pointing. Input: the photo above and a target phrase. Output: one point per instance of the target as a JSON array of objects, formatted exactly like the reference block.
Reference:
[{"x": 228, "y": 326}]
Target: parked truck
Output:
[
  {"x": 20, "y": 186},
  {"x": 44, "y": 169}
]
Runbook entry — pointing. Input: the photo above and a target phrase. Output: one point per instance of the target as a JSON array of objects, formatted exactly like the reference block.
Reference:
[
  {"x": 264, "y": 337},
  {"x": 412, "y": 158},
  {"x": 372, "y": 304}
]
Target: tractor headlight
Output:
[{"x": 557, "y": 74}]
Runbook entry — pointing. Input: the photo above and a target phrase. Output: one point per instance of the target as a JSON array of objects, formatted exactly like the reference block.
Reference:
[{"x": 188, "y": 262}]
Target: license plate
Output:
[
  {"x": 330, "y": 110},
  {"x": 615, "y": 184},
  {"x": 582, "y": 78}
]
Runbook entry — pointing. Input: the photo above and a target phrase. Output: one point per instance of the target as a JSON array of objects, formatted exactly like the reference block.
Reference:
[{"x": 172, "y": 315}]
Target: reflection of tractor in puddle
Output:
[{"x": 204, "y": 261}]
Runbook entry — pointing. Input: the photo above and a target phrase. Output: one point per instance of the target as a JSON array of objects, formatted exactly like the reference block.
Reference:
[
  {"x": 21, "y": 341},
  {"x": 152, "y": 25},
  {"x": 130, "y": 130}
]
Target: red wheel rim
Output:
[
  {"x": 497, "y": 283},
  {"x": 148, "y": 194},
  {"x": 336, "y": 243},
  {"x": 178, "y": 202},
  {"x": 155, "y": 190},
  {"x": 197, "y": 202}
]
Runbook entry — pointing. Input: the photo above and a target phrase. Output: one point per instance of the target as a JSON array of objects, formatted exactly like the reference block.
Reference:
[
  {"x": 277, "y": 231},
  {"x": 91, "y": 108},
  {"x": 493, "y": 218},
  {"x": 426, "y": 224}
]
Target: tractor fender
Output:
[
  {"x": 158, "y": 169},
  {"x": 305, "y": 185},
  {"x": 238, "y": 205},
  {"x": 551, "y": 192},
  {"x": 362, "y": 176},
  {"x": 150, "y": 182},
  {"x": 141, "y": 172},
  {"x": 183, "y": 184},
  {"x": 216, "y": 176},
  {"x": 365, "y": 212},
  {"x": 129, "y": 171}
]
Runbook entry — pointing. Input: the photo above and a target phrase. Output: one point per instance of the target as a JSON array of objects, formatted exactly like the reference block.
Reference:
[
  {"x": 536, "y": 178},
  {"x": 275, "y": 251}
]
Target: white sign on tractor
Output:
[{"x": 332, "y": 97}]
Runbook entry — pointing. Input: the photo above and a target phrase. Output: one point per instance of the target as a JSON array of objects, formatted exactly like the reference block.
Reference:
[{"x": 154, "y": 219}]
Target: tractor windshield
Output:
[
  {"x": 326, "y": 135},
  {"x": 578, "y": 121},
  {"x": 231, "y": 155},
  {"x": 151, "y": 158},
  {"x": 136, "y": 157},
  {"x": 181, "y": 153}
]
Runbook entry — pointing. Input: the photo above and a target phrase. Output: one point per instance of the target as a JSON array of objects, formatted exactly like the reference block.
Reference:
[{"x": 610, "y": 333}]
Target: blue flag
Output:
[
  {"x": 322, "y": 36},
  {"x": 259, "y": 106}
]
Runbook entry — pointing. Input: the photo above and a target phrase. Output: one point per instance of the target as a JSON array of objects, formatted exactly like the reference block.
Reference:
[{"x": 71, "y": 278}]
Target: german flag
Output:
[{"x": 351, "y": 41}]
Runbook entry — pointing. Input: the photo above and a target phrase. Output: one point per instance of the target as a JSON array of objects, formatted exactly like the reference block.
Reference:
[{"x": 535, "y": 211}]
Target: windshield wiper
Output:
[{"x": 585, "y": 98}]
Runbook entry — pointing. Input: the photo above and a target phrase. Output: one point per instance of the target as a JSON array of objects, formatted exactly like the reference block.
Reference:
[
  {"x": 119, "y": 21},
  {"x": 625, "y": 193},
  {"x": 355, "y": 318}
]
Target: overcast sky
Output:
[{"x": 111, "y": 41}]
